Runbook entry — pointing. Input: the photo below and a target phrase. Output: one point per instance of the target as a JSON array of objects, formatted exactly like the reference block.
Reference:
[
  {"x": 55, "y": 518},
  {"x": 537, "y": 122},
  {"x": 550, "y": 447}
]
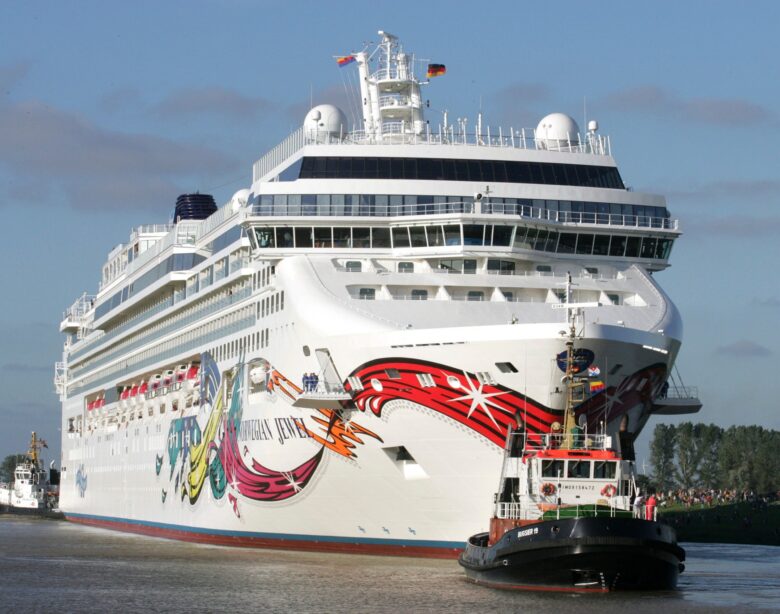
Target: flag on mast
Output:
[
  {"x": 346, "y": 59},
  {"x": 436, "y": 70}
]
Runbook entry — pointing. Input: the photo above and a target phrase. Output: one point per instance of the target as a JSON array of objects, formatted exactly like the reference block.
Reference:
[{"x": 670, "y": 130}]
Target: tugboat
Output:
[
  {"x": 32, "y": 491},
  {"x": 563, "y": 518}
]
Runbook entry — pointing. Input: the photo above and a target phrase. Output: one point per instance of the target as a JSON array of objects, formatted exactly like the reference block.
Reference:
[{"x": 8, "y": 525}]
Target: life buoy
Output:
[
  {"x": 548, "y": 489},
  {"x": 609, "y": 490}
]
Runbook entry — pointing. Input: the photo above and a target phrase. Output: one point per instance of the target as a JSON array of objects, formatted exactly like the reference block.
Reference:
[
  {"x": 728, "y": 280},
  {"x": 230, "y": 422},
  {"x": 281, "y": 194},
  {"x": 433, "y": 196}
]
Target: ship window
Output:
[
  {"x": 400, "y": 237},
  {"x": 265, "y": 237},
  {"x": 393, "y": 373},
  {"x": 419, "y": 295},
  {"x": 520, "y": 238},
  {"x": 426, "y": 380},
  {"x": 566, "y": 243},
  {"x": 475, "y": 295},
  {"x": 614, "y": 299},
  {"x": 552, "y": 468},
  {"x": 578, "y": 469},
  {"x": 284, "y": 237},
  {"x": 648, "y": 247},
  {"x": 406, "y": 267},
  {"x": 632, "y": 247},
  {"x": 506, "y": 367},
  {"x": 361, "y": 237},
  {"x": 418, "y": 236},
  {"x": 618, "y": 245},
  {"x": 342, "y": 237},
  {"x": 303, "y": 238},
  {"x": 509, "y": 296},
  {"x": 585, "y": 244},
  {"x": 435, "y": 236},
  {"x": 541, "y": 240},
  {"x": 543, "y": 268},
  {"x": 322, "y": 237},
  {"x": 353, "y": 266},
  {"x": 552, "y": 241},
  {"x": 367, "y": 294},
  {"x": 502, "y": 235},
  {"x": 473, "y": 234},
  {"x": 662, "y": 248},
  {"x": 604, "y": 470},
  {"x": 601, "y": 245},
  {"x": 380, "y": 237},
  {"x": 484, "y": 377},
  {"x": 452, "y": 234}
]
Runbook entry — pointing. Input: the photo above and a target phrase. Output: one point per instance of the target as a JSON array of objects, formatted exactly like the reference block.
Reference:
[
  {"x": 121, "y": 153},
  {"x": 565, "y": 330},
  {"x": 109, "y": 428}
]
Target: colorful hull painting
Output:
[{"x": 215, "y": 455}]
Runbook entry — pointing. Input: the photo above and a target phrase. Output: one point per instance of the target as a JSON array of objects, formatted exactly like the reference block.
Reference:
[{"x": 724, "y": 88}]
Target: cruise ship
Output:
[{"x": 332, "y": 359}]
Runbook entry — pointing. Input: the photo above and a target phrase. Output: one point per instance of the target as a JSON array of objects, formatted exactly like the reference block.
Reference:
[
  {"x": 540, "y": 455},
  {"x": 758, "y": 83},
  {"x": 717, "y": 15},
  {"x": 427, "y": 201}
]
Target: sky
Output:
[{"x": 109, "y": 110}]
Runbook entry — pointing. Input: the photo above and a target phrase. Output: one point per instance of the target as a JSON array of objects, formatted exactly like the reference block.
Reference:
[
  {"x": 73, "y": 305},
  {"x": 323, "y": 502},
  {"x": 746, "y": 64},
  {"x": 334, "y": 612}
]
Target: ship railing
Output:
[
  {"x": 576, "y": 441},
  {"x": 485, "y": 207},
  {"x": 523, "y": 511},
  {"x": 80, "y": 307},
  {"x": 404, "y": 132},
  {"x": 150, "y": 229}
]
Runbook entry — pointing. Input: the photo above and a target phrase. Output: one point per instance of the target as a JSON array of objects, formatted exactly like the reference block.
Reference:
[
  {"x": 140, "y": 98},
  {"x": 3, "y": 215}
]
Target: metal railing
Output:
[{"x": 520, "y": 511}]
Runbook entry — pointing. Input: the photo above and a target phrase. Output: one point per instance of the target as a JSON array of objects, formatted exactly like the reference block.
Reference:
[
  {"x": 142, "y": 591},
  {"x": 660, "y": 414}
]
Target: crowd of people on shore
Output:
[{"x": 709, "y": 497}]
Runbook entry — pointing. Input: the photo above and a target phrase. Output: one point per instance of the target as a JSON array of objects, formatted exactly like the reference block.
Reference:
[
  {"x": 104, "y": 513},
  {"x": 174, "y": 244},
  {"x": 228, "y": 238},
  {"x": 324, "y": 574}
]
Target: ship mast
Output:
[
  {"x": 574, "y": 387},
  {"x": 390, "y": 96}
]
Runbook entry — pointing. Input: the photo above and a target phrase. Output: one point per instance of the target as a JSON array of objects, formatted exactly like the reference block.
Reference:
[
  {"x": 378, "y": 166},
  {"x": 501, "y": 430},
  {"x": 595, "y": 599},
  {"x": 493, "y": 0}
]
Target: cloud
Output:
[
  {"x": 96, "y": 168},
  {"x": 736, "y": 226},
  {"x": 744, "y": 349},
  {"x": 762, "y": 189},
  {"x": 121, "y": 99},
  {"x": 718, "y": 111},
  {"x": 517, "y": 103},
  {"x": 24, "y": 368},
  {"x": 11, "y": 75},
  {"x": 212, "y": 100},
  {"x": 772, "y": 302}
]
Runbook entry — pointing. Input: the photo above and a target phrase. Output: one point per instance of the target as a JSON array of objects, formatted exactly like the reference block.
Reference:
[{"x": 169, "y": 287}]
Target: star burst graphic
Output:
[{"x": 479, "y": 400}]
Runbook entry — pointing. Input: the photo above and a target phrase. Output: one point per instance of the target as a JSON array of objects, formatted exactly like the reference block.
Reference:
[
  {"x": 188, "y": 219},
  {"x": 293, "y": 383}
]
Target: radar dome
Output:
[
  {"x": 557, "y": 131},
  {"x": 239, "y": 199},
  {"x": 325, "y": 120}
]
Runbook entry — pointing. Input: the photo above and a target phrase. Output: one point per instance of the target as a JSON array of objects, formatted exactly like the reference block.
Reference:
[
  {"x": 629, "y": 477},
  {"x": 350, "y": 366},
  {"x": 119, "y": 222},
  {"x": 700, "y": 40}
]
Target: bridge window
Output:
[
  {"x": 323, "y": 237},
  {"x": 578, "y": 469},
  {"x": 604, "y": 470},
  {"x": 304, "y": 237},
  {"x": 380, "y": 237},
  {"x": 401, "y": 237},
  {"x": 452, "y": 234},
  {"x": 552, "y": 468}
]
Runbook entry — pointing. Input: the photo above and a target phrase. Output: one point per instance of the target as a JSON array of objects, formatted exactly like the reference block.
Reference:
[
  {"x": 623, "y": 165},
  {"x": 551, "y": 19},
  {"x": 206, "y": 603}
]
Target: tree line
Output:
[{"x": 745, "y": 458}]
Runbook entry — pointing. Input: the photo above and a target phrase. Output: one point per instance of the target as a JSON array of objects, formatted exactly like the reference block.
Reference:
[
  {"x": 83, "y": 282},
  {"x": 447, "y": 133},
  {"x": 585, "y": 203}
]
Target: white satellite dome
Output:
[
  {"x": 239, "y": 199},
  {"x": 557, "y": 131},
  {"x": 325, "y": 120}
]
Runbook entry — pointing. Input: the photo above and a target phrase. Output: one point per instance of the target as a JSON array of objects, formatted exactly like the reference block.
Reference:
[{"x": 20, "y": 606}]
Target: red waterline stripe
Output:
[{"x": 275, "y": 544}]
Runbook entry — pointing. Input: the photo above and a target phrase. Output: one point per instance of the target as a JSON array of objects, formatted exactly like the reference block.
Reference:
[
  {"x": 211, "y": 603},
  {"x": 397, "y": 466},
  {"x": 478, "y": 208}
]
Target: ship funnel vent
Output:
[{"x": 194, "y": 207}]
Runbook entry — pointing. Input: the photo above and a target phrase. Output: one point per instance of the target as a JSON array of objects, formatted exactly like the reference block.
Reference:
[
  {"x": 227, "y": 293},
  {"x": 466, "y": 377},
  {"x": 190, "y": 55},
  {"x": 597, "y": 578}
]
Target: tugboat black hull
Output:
[{"x": 580, "y": 554}]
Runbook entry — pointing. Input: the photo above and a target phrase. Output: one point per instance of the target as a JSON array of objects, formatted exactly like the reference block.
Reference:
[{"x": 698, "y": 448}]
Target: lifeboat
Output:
[
  {"x": 154, "y": 392},
  {"x": 124, "y": 398},
  {"x": 133, "y": 398},
  {"x": 141, "y": 396}
]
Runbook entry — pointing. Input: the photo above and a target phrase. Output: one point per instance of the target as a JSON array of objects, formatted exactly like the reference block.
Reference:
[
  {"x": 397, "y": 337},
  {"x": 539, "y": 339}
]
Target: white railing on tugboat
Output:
[
  {"x": 519, "y": 511},
  {"x": 578, "y": 441}
]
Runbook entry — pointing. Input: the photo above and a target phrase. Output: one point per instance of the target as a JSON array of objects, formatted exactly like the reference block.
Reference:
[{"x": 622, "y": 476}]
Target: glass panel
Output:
[
  {"x": 342, "y": 237},
  {"x": 280, "y": 204},
  {"x": 470, "y": 266},
  {"x": 520, "y": 241},
  {"x": 601, "y": 245},
  {"x": 361, "y": 237},
  {"x": 604, "y": 470},
  {"x": 337, "y": 204},
  {"x": 284, "y": 237},
  {"x": 618, "y": 245},
  {"x": 417, "y": 234},
  {"x": 473, "y": 234},
  {"x": 380, "y": 237},
  {"x": 632, "y": 247},
  {"x": 304, "y": 237},
  {"x": 367, "y": 294},
  {"x": 566, "y": 243},
  {"x": 294, "y": 204},
  {"x": 353, "y": 266},
  {"x": 663, "y": 248},
  {"x": 265, "y": 237},
  {"x": 648, "y": 247},
  {"x": 406, "y": 267},
  {"x": 380, "y": 204},
  {"x": 452, "y": 234},
  {"x": 322, "y": 237},
  {"x": 552, "y": 242},
  {"x": 435, "y": 236},
  {"x": 502, "y": 235},
  {"x": 578, "y": 469},
  {"x": 475, "y": 295},
  {"x": 419, "y": 295},
  {"x": 551, "y": 468},
  {"x": 396, "y": 204},
  {"x": 400, "y": 237},
  {"x": 585, "y": 244},
  {"x": 541, "y": 240},
  {"x": 323, "y": 204},
  {"x": 309, "y": 204}
]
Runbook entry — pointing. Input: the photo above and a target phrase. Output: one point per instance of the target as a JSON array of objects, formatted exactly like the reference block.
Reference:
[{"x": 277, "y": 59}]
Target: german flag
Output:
[{"x": 436, "y": 70}]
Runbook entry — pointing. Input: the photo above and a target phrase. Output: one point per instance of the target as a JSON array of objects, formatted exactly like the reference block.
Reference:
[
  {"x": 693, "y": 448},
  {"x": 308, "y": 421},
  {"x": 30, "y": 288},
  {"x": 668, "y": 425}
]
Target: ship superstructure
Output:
[{"x": 333, "y": 358}]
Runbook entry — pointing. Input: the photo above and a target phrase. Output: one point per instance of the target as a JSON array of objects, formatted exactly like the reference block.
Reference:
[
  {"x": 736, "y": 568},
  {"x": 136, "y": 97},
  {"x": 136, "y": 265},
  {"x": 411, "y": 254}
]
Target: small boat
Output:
[
  {"x": 563, "y": 517},
  {"x": 34, "y": 490}
]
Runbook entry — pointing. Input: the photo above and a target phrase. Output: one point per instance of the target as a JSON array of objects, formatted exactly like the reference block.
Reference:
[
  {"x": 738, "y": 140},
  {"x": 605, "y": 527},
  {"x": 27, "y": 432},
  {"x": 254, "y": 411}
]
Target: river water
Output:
[{"x": 55, "y": 566}]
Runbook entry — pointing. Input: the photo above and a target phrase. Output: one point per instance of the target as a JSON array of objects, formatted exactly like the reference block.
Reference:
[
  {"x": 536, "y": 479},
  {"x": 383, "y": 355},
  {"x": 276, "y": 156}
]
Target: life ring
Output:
[
  {"x": 609, "y": 490},
  {"x": 548, "y": 489}
]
